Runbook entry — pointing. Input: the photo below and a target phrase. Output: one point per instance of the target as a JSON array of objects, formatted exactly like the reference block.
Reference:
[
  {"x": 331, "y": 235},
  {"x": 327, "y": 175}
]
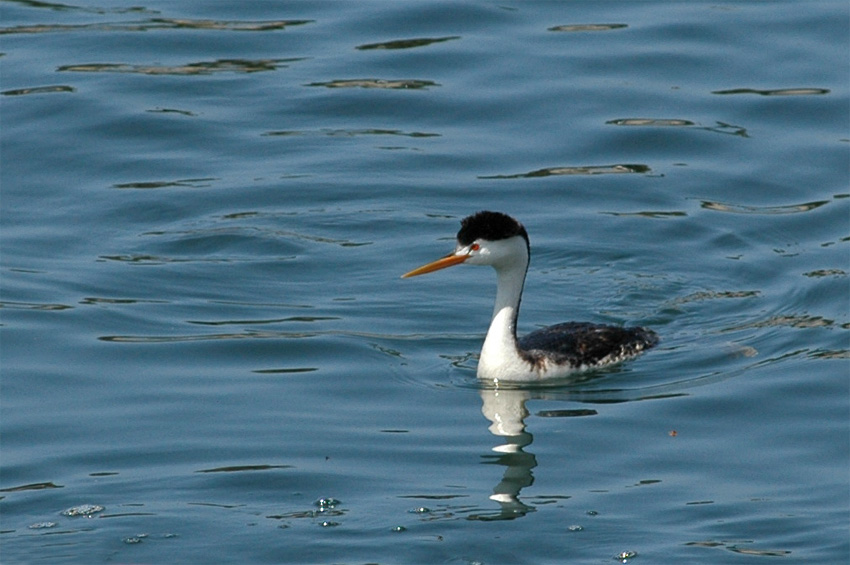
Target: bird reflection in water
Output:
[{"x": 507, "y": 412}]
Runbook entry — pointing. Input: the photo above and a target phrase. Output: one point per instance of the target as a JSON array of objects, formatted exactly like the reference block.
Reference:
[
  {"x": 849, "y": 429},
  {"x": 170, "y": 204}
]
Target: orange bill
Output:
[{"x": 441, "y": 263}]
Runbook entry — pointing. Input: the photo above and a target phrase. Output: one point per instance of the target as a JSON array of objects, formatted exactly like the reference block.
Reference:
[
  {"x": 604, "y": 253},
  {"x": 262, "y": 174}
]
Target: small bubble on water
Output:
[
  {"x": 86, "y": 510},
  {"x": 133, "y": 540},
  {"x": 624, "y": 556},
  {"x": 327, "y": 503},
  {"x": 42, "y": 525},
  {"x": 329, "y": 524},
  {"x": 398, "y": 529},
  {"x": 420, "y": 510},
  {"x": 576, "y": 528},
  {"x": 592, "y": 513}
]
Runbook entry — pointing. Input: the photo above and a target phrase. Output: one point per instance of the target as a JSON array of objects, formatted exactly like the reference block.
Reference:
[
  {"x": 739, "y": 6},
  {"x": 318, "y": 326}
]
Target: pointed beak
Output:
[{"x": 447, "y": 261}]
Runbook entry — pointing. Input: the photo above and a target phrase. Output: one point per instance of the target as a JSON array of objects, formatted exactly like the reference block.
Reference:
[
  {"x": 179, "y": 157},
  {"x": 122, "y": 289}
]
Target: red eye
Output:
[{"x": 474, "y": 247}]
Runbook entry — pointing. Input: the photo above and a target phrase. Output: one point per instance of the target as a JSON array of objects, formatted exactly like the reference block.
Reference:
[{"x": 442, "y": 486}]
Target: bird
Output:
[{"x": 554, "y": 352}]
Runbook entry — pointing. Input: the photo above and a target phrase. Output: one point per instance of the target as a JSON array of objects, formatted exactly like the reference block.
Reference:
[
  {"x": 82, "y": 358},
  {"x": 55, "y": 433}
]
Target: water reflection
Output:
[{"x": 507, "y": 412}]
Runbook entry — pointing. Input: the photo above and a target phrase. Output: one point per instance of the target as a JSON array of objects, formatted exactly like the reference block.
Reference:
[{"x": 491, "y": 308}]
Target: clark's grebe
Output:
[{"x": 496, "y": 239}]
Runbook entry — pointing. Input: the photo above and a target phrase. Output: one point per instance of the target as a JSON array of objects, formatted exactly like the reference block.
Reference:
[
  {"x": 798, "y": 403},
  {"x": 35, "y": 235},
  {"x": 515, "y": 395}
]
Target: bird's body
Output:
[{"x": 496, "y": 239}]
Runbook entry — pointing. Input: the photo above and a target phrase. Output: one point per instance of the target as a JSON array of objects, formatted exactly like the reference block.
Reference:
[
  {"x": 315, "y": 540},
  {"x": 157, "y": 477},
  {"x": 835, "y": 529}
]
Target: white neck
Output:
[{"x": 500, "y": 356}]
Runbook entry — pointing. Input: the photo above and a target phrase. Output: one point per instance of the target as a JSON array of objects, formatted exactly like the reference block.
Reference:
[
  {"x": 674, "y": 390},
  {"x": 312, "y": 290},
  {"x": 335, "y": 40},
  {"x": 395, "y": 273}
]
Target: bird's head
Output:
[{"x": 485, "y": 238}]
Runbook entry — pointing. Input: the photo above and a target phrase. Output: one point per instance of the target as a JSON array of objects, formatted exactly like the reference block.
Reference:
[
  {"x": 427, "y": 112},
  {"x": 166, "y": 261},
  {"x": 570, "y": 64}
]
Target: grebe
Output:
[{"x": 498, "y": 240}]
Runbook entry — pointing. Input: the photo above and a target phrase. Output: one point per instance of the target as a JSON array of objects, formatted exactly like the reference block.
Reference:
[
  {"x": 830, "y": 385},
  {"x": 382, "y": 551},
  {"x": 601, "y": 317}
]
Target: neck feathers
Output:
[{"x": 500, "y": 352}]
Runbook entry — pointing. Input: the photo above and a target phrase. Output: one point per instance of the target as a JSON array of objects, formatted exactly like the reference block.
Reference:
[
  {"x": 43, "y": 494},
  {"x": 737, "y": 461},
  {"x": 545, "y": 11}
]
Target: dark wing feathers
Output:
[{"x": 585, "y": 344}]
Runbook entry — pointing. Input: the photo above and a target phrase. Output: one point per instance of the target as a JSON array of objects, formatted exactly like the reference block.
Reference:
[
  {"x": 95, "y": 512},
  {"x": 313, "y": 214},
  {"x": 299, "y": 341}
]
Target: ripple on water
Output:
[
  {"x": 39, "y": 90},
  {"x": 156, "y": 24},
  {"x": 616, "y": 169},
  {"x": 85, "y": 510},
  {"x": 406, "y": 43},
  {"x": 768, "y": 210},
  {"x": 197, "y": 68},
  {"x": 588, "y": 27},
  {"x": 776, "y": 92},
  {"x": 394, "y": 84}
]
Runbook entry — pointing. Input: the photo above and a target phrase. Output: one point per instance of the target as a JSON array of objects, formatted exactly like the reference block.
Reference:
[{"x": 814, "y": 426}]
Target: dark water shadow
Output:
[{"x": 406, "y": 43}]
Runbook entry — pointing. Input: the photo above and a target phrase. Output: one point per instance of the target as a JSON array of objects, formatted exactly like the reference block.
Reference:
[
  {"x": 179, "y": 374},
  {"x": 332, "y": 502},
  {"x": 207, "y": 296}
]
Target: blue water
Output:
[{"x": 208, "y": 354}]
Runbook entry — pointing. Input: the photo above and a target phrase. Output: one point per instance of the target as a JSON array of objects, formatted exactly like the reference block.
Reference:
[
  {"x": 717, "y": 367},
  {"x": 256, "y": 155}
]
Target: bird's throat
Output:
[{"x": 500, "y": 349}]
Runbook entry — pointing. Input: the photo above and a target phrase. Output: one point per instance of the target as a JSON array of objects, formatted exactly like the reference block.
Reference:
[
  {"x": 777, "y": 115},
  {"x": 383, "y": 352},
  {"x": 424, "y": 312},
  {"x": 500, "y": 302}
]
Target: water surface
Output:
[{"x": 208, "y": 354}]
